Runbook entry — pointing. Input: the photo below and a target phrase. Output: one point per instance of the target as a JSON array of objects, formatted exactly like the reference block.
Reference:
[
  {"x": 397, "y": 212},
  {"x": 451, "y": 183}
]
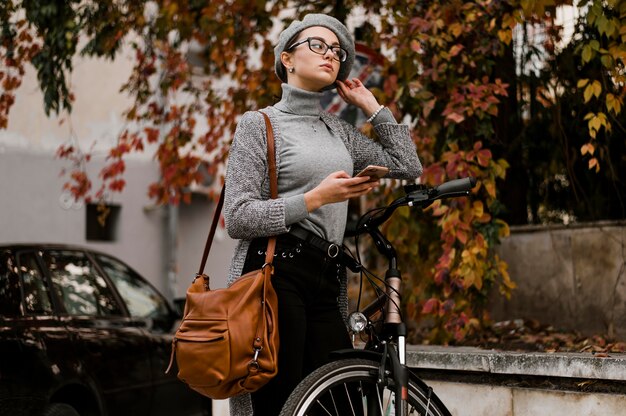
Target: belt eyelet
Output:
[{"x": 333, "y": 250}]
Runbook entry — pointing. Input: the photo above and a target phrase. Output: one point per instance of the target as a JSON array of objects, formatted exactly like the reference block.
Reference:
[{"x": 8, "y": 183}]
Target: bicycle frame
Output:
[{"x": 394, "y": 329}]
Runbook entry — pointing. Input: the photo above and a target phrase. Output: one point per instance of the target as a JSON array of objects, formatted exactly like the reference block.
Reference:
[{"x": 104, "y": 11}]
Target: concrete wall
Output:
[{"x": 571, "y": 277}]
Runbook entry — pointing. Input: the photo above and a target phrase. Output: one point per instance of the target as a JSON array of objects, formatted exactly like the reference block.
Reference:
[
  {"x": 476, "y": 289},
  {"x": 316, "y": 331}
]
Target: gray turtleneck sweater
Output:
[{"x": 310, "y": 145}]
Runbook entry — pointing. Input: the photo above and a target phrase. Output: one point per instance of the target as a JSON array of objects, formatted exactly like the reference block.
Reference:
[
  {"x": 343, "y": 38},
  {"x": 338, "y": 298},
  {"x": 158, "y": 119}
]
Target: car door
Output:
[
  {"x": 144, "y": 302},
  {"x": 114, "y": 350},
  {"x": 36, "y": 350}
]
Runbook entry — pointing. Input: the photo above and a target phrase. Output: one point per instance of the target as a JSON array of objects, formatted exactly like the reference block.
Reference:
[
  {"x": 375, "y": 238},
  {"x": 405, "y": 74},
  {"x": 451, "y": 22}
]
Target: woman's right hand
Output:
[{"x": 337, "y": 187}]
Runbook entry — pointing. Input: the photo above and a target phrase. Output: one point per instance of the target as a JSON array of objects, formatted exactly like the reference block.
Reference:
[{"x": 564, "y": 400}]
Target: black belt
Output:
[{"x": 332, "y": 250}]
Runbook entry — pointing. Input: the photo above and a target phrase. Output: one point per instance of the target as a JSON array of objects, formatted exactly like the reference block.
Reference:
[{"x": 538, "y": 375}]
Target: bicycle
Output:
[{"x": 368, "y": 381}]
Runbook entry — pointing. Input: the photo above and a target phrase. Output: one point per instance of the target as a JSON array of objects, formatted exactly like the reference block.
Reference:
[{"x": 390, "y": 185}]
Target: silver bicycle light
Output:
[{"x": 357, "y": 322}]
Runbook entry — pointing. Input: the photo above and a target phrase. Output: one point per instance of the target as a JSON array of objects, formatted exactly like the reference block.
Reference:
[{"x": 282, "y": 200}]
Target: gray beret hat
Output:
[{"x": 345, "y": 41}]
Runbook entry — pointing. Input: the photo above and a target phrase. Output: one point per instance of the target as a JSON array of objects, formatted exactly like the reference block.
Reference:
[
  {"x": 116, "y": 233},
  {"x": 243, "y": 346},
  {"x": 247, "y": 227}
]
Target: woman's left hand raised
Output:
[{"x": 355, "y": 93}]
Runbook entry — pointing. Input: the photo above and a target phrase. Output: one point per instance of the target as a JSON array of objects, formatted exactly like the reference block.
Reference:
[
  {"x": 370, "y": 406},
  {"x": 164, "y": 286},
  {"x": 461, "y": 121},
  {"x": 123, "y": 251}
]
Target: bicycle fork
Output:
[{"x": 399, "y": 378}]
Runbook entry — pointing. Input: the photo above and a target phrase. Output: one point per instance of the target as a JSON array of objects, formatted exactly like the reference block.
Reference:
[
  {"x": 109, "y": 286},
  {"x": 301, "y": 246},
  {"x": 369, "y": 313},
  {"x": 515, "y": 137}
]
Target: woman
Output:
[{"x": 316, "y": 157}]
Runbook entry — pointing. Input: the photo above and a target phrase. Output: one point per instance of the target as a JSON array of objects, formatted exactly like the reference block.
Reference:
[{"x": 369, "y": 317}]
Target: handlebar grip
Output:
[{"x": 456, "y": 185}]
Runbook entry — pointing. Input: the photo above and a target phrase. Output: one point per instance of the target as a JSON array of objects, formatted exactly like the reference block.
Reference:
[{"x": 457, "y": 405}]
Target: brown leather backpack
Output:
[{"x": 227, "y": 342}]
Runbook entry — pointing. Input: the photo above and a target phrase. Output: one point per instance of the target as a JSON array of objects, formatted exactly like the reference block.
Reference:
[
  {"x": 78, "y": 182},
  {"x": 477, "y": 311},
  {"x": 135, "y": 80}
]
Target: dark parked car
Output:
[{"x": 81, "y": 333}]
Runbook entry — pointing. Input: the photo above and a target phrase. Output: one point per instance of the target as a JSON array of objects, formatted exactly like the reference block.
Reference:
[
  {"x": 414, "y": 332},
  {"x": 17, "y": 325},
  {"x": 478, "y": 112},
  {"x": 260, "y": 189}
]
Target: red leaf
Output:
[
  {"x": 484, "y": 156},
  {"x": 152, "y": 135},
  {"x": 431, "y": 306},
  {"x": 117, "y": 185}
]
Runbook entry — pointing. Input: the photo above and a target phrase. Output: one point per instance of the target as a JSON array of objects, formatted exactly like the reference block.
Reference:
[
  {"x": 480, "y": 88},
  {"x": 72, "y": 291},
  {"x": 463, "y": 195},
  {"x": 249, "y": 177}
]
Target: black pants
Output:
[{"x": 309, "y": 321}]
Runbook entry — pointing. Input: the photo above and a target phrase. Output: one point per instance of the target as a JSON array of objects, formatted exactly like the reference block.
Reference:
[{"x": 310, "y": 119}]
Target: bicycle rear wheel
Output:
[{"x": 349, "y": 387}]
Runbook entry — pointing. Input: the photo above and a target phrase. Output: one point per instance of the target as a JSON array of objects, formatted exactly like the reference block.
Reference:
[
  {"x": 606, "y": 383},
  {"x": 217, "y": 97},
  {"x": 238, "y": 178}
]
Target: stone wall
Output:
[{"x": 572, "y": 277}]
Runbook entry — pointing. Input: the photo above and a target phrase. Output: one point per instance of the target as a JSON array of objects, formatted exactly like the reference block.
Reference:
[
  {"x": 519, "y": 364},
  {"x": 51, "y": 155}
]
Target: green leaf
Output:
[
  {"x": 587, "y": 53},
  {"x": 607, "y": 61},
  {"x": 602, "y": 24}
]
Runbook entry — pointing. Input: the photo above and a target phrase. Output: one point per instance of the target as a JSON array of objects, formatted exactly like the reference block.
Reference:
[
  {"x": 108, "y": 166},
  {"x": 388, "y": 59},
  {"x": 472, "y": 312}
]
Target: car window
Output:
[
  {"x": 10, "y": 295},
  {"x": 141, "y": 299},
  {"x": 83, "y": 291},
  {"x": 35, "y": 291}
]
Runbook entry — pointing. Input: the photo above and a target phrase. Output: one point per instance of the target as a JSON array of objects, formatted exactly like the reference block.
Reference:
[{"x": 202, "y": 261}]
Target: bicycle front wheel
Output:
[{"x": 349, "y": 387}]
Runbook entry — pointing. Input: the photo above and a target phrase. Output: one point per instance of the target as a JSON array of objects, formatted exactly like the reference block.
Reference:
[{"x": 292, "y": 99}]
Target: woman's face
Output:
[{"x": 312, "y": 71}]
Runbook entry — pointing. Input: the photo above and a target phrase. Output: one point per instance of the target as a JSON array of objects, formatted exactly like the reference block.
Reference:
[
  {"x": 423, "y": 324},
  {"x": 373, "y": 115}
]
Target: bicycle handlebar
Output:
[{"x": 417, "y": 195}]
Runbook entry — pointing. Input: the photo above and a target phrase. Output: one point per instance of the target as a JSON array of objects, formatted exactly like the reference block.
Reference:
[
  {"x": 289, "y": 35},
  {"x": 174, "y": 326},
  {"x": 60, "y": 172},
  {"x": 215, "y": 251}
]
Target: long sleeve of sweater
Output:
[{"x": 248, "y": 210}]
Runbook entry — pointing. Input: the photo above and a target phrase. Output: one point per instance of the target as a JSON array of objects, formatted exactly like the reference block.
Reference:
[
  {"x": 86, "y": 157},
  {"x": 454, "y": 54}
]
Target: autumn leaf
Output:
[
  {"x": 456, "y": 49},
  {"x": 491, "y": 188},
  {"x": 431, "y": 306},
  {"x": 455, "y": 29},
  {"x": 587, "y": 148},
  {"x": 152, "y": 134},
  {"x": 505, "y": 36},
  {"x": 588, "y": 93},
  {"x": 597, "y": 88},
  {"x": 484, "y": 157},
  {"x": 613, "y": 103},
  {"x": 477, "y": 209},
  {"x": 117, "y": 185},
  {"x": 455, "y": 117}
]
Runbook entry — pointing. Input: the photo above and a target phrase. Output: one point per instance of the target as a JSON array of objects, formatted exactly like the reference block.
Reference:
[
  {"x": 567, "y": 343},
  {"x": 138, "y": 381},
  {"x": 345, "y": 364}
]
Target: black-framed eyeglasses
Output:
[{"x": 320, "y": 47}]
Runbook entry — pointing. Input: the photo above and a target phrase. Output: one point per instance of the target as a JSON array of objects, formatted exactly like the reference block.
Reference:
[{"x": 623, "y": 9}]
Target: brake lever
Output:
[
  {"x": 418, "y": 196},
  {"x": 427, "y": 197}
]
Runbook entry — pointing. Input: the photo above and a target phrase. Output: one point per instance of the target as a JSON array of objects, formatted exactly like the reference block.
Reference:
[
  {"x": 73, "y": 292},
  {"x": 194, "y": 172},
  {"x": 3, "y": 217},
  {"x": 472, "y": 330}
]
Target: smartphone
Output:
[{"x": 374, "y": 172}]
